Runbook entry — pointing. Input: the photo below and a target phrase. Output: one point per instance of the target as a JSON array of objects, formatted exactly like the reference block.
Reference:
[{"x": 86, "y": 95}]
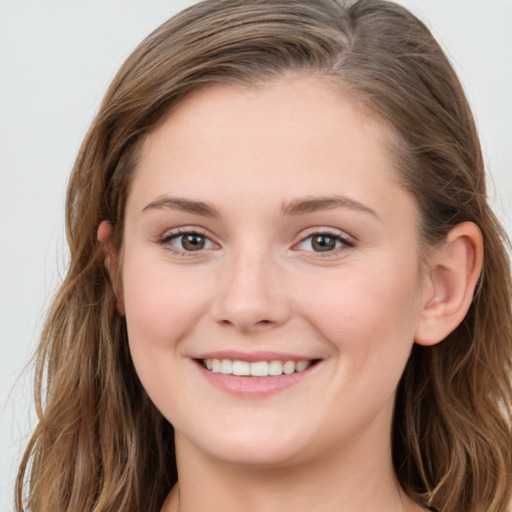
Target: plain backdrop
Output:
[{"x": 56, "y": 60}]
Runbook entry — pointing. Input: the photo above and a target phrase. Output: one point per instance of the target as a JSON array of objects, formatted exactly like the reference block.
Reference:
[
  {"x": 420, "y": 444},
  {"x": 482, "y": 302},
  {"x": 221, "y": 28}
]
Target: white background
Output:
[{"x": 56, "y": 60}]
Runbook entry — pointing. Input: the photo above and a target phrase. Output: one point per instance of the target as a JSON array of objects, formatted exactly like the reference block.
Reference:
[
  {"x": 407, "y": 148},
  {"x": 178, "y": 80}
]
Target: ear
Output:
[
  {"x": 111, "y": 262},
  {"x": 451, "y": 279}
]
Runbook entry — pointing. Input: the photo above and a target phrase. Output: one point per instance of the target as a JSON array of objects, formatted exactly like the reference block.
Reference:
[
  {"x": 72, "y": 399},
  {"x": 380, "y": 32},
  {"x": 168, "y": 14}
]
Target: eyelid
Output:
[
  {"x": 346, "y": 240},
  {"x": 171, "y": 234},
  {"x": 165, "y": 240},
  {"x": 182, "y": 230}
]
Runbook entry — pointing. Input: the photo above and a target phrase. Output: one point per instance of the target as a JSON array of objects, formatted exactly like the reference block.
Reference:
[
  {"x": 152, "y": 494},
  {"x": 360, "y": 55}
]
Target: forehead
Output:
[
  {"x": 306, "y": 108},
  {"x": 288, "y": 136}
]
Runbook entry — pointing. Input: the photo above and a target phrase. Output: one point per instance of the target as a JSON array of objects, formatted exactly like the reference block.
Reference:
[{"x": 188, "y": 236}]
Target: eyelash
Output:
[
  {"x": 167, "y": 239},
  {"x": 344, "y": 241},
  {"x": 180, "y": 232}
]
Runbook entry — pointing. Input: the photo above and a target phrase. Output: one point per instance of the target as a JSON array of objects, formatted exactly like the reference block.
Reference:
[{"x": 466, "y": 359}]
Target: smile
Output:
[
  {"x": 255, "y": 375},
  {"x": 255, "y": 369}
]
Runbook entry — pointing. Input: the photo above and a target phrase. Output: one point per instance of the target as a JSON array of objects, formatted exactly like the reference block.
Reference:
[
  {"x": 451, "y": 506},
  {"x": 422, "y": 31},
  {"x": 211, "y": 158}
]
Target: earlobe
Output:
[
  {"x": 104, "y": 235},
  {"x": 454, "y": 270}
]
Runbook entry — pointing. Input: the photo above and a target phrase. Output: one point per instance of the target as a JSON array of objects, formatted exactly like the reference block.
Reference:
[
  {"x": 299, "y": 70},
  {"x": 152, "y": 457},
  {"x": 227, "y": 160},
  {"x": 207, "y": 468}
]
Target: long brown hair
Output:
[{"x": 100, "y": 444}]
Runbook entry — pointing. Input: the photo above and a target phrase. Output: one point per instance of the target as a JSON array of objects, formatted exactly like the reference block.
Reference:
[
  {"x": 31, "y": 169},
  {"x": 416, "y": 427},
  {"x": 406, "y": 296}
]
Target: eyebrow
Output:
[
  {"x": 314, "y": 204},
  {"x": 183, "y": 205},
  {"x": 295, "y": 207}
]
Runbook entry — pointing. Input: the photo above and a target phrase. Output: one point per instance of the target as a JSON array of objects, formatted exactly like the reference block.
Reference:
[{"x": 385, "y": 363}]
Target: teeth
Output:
[
  {"x": 288, "y": 367},
  {"x": 215, "y": 365},
  {"x": 241, "y": 368},
  {"x": 275, "y": 368},
  {"x": 226, "y": 366},
  {"x": 256, "y": 369},
  {"x": 259, "y": 369},
  {"x": 302, "y": 365}
]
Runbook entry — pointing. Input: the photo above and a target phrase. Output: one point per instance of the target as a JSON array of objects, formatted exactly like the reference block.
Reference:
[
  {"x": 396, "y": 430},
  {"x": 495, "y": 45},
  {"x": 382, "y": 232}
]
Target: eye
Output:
[
  {"x": 189, "y": 241},
  {"x": 182, "y": 241},
  {"x": 323, "y": 242}
]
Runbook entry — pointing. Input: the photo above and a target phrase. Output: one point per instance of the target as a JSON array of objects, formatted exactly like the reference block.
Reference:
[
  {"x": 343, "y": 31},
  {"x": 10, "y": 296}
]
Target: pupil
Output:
[
  {"x": 323, "y": 243},
  {"x": 193, "y": 242}
]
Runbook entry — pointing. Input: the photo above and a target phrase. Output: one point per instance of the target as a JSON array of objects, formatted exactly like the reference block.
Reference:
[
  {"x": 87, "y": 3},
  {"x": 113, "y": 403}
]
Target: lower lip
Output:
[{"x": 255, "y": 387}]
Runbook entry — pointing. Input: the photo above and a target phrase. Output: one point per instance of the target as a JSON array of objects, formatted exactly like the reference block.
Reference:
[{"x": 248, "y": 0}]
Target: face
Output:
[{"x": 271, "y": 278}]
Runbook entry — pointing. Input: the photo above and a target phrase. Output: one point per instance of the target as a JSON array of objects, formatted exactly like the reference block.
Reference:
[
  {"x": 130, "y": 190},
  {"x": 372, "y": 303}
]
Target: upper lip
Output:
[{"x": 252, "y": 357}]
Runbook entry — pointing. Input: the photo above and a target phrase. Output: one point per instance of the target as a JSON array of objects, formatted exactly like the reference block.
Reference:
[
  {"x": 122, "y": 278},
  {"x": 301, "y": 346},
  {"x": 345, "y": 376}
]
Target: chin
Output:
[
  {"x": 265, "y": 456},
  {"x": 265, "y": 448}
]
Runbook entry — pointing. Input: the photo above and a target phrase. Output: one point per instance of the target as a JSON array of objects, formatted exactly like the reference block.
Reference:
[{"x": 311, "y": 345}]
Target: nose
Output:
[{"x": 251, "y": 296}]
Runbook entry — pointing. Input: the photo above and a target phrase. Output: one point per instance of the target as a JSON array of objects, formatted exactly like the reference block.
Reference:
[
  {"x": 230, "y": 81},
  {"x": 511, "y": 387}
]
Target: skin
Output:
[{"x": 260, "y": 284}]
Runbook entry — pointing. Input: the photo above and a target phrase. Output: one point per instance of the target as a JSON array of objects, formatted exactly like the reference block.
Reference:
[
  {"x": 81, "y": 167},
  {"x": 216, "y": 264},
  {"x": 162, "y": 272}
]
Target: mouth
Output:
[
  {"x": 255, "y": 375},
  {"x": 271, "y": 368}
]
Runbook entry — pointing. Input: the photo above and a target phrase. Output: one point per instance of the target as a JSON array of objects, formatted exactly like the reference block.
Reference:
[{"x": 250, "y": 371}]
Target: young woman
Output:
[{"x": 286, "y": 287}]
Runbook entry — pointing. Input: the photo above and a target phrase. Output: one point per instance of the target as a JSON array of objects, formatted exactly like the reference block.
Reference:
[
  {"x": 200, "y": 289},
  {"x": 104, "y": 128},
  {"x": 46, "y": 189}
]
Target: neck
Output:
[{"x": 355, "y": 482}]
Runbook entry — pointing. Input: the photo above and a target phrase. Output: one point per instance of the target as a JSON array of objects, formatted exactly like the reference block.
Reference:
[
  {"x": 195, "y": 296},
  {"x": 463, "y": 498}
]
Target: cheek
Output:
[
  {"x": 162, "y": 304},
  {"x": 368, "y": 317}
]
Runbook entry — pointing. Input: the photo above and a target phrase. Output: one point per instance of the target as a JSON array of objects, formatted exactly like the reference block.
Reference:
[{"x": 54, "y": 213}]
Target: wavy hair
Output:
[{"x": 100, "y": 445}]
